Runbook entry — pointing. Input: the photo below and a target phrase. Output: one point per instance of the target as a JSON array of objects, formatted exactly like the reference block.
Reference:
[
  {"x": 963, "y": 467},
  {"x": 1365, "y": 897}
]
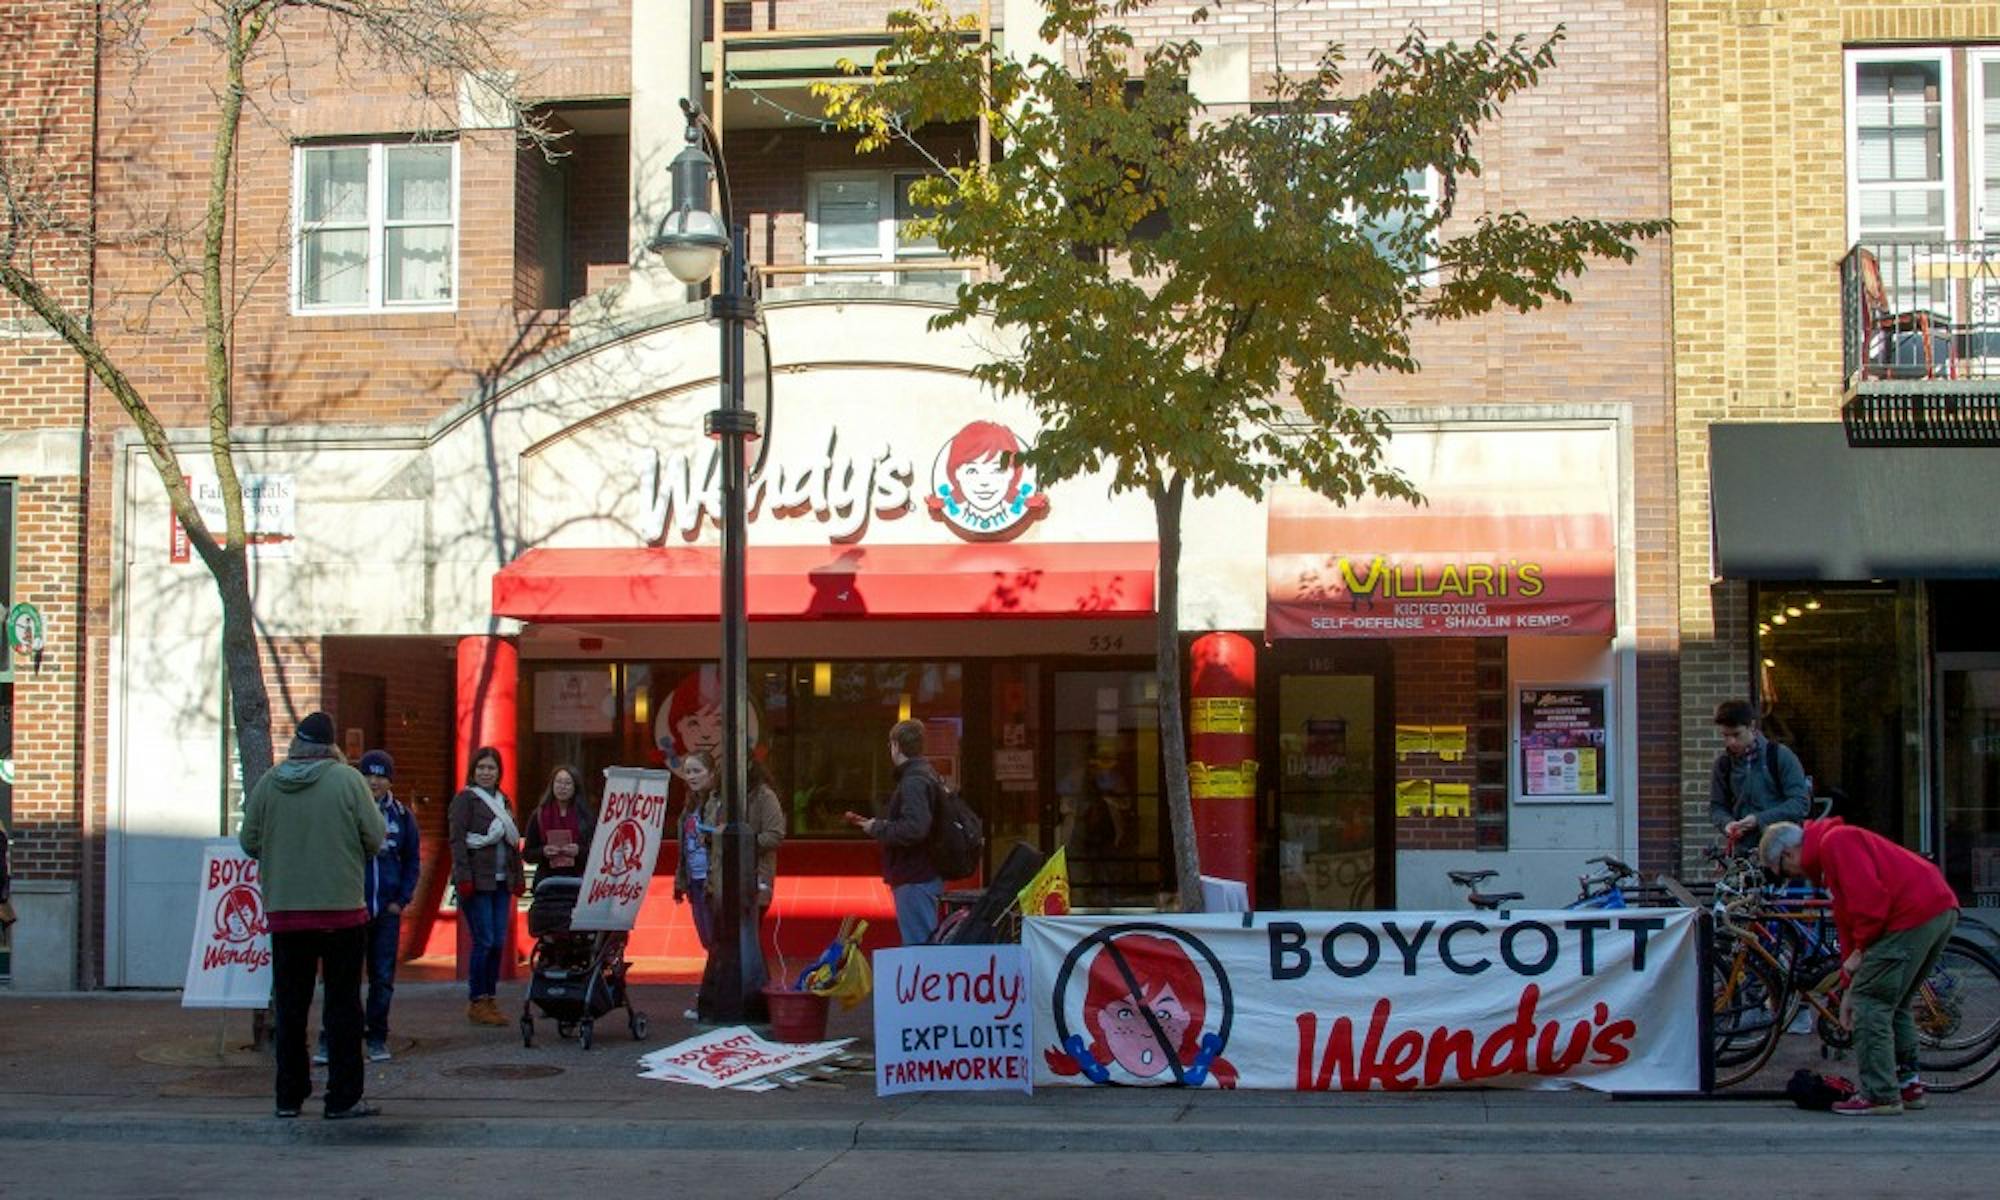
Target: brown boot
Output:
[
  {"x": 474, "y": 1012},
  {"x": 491, "y": 1014}
]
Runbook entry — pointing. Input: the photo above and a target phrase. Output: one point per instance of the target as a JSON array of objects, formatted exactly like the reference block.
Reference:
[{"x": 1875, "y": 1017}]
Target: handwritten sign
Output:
[
  {"x": 229, "y": 965},
  {"x": 623, "y": 850},
  {"x": 731, "y": 1057},
  {"x": 952, "y": 1019}
]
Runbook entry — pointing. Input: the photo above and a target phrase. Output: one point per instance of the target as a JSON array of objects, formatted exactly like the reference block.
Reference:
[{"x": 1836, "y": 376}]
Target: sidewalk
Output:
[{"x": 138, "y": 1068}]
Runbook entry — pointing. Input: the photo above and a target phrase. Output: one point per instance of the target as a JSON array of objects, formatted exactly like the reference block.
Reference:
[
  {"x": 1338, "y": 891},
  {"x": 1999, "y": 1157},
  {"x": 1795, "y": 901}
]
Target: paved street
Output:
[{"x": 121, "y": 1095}]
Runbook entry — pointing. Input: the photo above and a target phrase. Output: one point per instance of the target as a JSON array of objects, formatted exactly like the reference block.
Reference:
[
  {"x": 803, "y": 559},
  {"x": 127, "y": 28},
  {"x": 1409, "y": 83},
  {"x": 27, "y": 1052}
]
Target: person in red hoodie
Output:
[{"x": 1893, "y": 911}]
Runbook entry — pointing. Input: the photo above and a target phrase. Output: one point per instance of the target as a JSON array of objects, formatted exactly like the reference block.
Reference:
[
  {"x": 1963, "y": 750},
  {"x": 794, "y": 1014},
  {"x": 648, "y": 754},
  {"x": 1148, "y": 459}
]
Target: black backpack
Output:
[
  {"x": 956, "y": 835},
  {"x": 1815, "y": 1092}
]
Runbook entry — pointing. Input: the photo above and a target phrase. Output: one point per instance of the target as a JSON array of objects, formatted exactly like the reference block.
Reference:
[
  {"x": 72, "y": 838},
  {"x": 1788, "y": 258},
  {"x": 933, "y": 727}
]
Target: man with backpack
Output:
[
  {"x": 905, "y": 833},
  {"x": 1755, "y": 782}
]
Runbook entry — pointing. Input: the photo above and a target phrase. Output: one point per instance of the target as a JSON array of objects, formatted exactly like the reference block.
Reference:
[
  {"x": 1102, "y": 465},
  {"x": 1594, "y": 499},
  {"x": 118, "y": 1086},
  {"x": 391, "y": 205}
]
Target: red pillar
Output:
[
  {"x": 489, "y": 670},
  {"x": 1222, "y": 756}
]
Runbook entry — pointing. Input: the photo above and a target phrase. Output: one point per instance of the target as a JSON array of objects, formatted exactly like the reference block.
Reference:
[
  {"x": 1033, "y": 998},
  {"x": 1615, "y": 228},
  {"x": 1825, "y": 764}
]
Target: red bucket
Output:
[{"x": 796, "y": 1016}]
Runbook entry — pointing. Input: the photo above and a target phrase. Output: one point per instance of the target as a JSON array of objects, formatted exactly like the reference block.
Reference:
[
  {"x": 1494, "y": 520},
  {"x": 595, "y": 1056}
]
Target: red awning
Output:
[
  {"x": 1009, "y": 579},
  {"x": 1467, "y": 564}
]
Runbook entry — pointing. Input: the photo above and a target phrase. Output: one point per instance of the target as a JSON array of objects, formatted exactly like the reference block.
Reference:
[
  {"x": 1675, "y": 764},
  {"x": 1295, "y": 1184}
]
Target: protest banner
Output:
[
  {"x": 229, "y": 964},
  {"x": 952, "y": 1019},
  {"x": 732, "y": 1057},
  {"x": 630, "y": 822},
  {"x": 1369, "y": 1001}
]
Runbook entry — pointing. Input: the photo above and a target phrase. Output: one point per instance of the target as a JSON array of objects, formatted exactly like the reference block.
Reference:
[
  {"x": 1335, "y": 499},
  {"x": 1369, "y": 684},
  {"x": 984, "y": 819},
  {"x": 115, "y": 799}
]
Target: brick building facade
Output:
[
  {"x": 411, "y": 424},
  {"x": 1833, "y": 165}
]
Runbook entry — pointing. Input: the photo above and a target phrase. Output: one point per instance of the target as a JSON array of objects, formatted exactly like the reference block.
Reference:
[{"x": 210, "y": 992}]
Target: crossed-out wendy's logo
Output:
[
  {"x": 239, "y": 915},
  {"x": 1154, "y": 1007},
  {"x": 626, "y": 850},
  {"x": 981, "y": 488}
]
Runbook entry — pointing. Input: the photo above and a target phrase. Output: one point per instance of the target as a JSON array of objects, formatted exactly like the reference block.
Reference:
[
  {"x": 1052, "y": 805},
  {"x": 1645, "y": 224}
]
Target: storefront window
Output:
[
  {"x": 822, "y": 728},
  {"x": 1105, "y": 764},
  {"x": 1837, "y": 681}
]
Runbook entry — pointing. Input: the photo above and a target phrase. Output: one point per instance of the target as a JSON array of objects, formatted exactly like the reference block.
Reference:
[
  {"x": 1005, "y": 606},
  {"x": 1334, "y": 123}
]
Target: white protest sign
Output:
[
  {"x": 952, "y": 1019},
  {"x": 229, "y": 965},
  {"x": 728, "y": 1057},
  {"x": 1369, "y": 1001},
  {"x": 623, "y": 850}
]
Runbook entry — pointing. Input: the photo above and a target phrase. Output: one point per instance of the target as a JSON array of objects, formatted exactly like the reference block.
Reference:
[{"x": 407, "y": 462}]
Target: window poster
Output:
[{"x": 1562, "y": 741}]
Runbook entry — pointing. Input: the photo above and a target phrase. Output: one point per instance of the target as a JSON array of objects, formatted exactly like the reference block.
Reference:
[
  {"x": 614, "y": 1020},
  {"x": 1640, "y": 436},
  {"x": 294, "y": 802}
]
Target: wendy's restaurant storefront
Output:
[
  {"x": 1860, "y": 583},
  {"x": 899, "y": 567},
  {"x": 1451, "y": 685}
]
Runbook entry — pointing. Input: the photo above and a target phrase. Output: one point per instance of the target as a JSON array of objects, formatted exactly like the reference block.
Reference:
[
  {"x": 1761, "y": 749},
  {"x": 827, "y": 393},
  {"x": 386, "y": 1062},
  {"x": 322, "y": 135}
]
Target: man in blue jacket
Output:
[{"x": 390, "y": 883}]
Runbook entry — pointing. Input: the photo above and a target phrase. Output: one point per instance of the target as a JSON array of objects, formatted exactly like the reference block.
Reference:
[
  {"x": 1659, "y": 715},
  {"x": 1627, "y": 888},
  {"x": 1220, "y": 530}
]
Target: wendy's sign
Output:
[
  {"x": 952, "y": 1019},
  {"x": 229, "y": 965},
  {"x": 630, "y": 823},
  {"x": 1369, "y": 1001}
]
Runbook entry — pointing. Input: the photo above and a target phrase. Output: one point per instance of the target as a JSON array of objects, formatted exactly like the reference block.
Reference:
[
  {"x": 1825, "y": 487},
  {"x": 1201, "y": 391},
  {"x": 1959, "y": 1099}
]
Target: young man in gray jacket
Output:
[
  {"x": 313, "y": 827},
  {"x": 1755, "y": 782}
]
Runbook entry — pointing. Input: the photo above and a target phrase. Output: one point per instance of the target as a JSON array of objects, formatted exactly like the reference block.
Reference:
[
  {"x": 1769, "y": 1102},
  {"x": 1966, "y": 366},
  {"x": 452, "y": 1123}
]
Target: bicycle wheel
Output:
[
  {"x": 1957, "y": 1012},
  {"x": 1748, "y": 998}
]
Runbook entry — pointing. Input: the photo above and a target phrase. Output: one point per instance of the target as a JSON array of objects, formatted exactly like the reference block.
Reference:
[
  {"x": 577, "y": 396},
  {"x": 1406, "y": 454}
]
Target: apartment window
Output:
[
  {"x": 377, "y": 227},
  {"x": 861, "y": 217},
  {"x": 1425, "y": 187},
  {"x": 1899, "y": 156}
]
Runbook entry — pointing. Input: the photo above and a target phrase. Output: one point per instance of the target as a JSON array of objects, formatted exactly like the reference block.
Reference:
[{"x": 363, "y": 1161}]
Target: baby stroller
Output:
[{"x": 575, "y": 976}]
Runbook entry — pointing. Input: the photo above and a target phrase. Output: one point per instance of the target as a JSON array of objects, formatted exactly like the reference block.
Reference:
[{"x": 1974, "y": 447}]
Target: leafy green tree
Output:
[{"x": 1185, "y": 298}]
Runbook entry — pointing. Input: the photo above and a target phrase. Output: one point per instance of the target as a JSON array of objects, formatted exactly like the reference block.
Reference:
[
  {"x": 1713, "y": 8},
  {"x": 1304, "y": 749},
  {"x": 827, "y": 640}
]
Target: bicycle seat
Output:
[
  {"x": 1612, "y": 866},
  {"x": 1491, "y": 900},
  {"x": 1466, "y": 879}
]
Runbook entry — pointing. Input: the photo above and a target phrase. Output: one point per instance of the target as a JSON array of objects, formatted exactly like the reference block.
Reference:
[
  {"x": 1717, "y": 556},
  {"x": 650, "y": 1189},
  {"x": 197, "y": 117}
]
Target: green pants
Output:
[{"x": 1885, "y": 1034}]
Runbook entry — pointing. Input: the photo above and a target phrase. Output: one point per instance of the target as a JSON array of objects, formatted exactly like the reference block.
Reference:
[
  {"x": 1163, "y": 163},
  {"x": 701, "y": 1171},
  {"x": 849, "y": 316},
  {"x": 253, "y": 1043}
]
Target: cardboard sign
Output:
[
  {"x": 229, "y": 965},
  {"x": 952, "y": 1019},
  {"x": 1368, "y": 1001},
  {"x": 623, "y": 850},
  {"x": 731, "y": 1057}
]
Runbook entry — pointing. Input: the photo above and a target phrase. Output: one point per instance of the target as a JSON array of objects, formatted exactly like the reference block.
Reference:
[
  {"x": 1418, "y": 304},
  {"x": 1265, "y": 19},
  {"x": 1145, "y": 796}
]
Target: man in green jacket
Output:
[{"x": 312, "y": 826}]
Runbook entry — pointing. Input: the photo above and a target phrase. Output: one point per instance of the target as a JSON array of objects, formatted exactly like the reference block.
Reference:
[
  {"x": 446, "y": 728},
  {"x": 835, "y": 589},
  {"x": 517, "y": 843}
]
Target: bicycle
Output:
[
  {"x": 1603, "y": 890},
  {"x": 1776, "y": 955}
]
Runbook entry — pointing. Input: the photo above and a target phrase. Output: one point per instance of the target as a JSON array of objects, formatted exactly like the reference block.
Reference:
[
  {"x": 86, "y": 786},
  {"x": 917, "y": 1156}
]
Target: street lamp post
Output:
[{"x": 693, "y": 242}]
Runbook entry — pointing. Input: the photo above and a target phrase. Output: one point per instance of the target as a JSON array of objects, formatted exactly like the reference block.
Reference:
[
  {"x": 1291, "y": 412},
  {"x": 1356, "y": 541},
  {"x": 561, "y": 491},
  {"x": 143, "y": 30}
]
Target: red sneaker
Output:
[
  {"x": 1862, "y": 1106},
  {"x": 1913, "y": 1095}
]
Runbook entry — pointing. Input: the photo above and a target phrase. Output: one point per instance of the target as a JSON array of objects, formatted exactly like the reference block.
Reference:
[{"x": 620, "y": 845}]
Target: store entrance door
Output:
[
  {"x": 1969, "y": 775},
  {"x": 1335, "y": 756}
]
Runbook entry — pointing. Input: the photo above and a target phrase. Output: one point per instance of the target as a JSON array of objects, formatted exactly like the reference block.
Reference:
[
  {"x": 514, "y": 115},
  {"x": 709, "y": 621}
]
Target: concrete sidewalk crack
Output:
[{"x": 816, "y": 1171}]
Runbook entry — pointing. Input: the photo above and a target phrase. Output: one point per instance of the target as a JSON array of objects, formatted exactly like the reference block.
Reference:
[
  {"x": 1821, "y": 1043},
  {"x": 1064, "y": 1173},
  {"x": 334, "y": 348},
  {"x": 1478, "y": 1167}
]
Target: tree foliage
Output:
[{"x": 1186, "y": 296}]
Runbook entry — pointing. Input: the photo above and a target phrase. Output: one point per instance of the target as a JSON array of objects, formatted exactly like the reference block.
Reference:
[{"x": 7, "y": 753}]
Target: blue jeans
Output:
[
  {"x": 385, "y": 934},
  {"x": 486, "y": 915},
  {"x": 704, "y": 917},
  {"x": 917, "y": 910}
]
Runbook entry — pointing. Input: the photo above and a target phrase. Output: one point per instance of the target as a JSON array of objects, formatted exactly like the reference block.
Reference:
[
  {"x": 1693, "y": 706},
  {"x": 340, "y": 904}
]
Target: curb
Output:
[{"x": 1334, "y": 1136}]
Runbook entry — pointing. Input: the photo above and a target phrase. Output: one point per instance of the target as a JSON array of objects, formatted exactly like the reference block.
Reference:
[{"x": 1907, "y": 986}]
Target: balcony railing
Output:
[{"x": 1920, "y": 311}]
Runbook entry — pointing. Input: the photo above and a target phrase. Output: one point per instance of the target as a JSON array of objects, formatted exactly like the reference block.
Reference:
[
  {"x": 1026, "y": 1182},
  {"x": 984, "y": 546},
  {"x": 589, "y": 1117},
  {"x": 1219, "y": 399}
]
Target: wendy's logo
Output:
[
  {"x": 239, "y": 915},
  {"x": 981, "y": 488},
  {"x": 1155, "y": 1009},
  {"x": 627, "y": 849}
]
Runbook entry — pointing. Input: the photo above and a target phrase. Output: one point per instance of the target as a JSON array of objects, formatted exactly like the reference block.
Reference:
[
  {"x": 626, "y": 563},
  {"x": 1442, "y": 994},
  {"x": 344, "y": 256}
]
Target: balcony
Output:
[{"x": 1920, "y": 338}]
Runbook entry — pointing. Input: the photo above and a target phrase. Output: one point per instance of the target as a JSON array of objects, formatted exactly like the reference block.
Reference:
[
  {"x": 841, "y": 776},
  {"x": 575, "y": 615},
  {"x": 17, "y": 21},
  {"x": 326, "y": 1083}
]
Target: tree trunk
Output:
[
  {"x": 249, "y": 703},
  {"x": 1167, "y": 666}
]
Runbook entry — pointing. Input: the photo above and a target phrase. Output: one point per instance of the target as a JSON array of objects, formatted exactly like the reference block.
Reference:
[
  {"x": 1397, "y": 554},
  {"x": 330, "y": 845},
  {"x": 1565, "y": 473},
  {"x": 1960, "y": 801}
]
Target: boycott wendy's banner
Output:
[
  {"x": 623, "y": 850},
  {"x": 952, "y": 1019},
  {"x": 1368, "y": 1001},
  {"x": 229, "y": 965}
]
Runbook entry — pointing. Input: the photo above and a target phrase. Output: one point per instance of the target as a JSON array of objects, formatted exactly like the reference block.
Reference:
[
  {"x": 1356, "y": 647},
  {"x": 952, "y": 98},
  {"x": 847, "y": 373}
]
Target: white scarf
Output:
[{"x": 502, "y": 828}]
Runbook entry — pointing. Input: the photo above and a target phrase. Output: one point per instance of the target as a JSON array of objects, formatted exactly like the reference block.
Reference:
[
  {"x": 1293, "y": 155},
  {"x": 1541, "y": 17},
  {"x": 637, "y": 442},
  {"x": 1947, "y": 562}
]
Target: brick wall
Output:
[
  {"x": 47, "y": 96},
  {"x": 1758, "y": 129},
  {"x": 1437, "y": 684}
]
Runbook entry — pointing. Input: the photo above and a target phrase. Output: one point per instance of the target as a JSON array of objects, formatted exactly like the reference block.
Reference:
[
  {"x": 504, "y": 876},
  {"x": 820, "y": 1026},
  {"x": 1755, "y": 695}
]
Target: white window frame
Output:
[
  {"x": 378, "y": 223},
  {"x": 1984, "y": 224},
  {"x": 1427, "y": 267},
  {"x": 1947, "y": 124},
  {"x": 888, "y": 244}
]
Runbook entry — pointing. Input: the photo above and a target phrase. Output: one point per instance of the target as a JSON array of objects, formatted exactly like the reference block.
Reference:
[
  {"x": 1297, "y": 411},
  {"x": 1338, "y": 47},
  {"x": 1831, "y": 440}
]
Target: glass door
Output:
[
  {"x": 1969, "y": 775},
  {"x": 1104, "y": 750},
  {"x": 1331, "y": 771}
]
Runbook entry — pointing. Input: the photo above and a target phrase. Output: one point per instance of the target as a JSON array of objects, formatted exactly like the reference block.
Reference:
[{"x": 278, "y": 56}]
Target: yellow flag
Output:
[{"x": 1047, "y": 894}]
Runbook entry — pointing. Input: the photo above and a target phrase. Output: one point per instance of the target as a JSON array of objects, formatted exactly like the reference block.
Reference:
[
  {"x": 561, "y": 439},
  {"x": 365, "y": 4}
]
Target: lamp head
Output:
[{"x": 691, "y": 239}]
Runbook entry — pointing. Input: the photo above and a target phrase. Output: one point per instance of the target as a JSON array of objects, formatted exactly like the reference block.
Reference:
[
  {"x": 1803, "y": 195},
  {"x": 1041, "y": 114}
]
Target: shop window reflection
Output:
[
  {"x": 1836, "y": 677},
  {"x": 1105, "y": 766}
]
